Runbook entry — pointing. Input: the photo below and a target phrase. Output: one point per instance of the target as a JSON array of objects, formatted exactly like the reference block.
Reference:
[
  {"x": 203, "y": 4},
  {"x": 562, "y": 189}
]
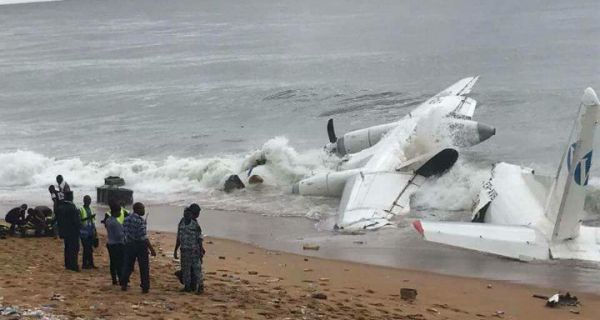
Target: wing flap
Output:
[
  {"x": 368, "y": 198},
  {"x": 517, "y": 242},
  {"x": 466, "y": 109}
]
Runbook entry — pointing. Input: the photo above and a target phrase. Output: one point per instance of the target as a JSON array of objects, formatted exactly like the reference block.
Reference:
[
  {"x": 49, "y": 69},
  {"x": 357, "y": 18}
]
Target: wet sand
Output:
[
  {"x": 398, "y": 248},
  {"x": 246, "y": 282}
]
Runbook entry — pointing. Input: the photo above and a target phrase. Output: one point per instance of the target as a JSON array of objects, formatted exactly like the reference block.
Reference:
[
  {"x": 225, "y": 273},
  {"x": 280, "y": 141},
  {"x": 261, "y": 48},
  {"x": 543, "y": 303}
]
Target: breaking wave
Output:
[
  {"x": 456, "y": 190},
  {"x": 25, "y": 175}
]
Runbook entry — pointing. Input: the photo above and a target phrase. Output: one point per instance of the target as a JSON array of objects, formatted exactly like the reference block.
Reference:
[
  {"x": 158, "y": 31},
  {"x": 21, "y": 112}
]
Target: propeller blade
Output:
[{"x": 331, "y": 131}]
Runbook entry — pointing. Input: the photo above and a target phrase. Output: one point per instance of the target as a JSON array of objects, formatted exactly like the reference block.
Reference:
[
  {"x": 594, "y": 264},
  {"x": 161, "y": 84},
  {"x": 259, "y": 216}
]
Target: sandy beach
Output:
[{"x": 246, "y": 282}]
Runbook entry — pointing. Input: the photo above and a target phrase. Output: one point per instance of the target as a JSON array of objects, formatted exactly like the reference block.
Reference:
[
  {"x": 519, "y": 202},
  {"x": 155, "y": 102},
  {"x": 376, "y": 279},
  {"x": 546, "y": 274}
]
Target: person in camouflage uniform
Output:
[{"x": 189, "y": 240}]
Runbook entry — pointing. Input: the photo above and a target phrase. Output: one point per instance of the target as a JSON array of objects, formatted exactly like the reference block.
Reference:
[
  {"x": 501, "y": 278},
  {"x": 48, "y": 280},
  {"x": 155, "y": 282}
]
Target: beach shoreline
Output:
[
  {"x": 244, "y": 281},
  {"x": 391, "y": 247}
]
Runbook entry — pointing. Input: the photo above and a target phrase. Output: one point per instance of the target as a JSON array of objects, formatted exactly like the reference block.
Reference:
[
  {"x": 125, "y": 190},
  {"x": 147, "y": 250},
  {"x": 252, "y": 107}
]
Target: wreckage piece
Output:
[
  {"x": 232, "y": 183},
  {"x": 525, "y": 216},
  {"x": 562, "y": 300},
  {"x": 113, "y": 189},
  {"x": 382, "y": 166},
  {"x": 255, "y": 179},
  {"x": 408, "y": 294}
]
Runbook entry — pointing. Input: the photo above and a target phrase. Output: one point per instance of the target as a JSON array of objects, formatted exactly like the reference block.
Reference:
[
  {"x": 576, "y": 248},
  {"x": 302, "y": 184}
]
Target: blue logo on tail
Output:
[{"x": 582, "y": 169}]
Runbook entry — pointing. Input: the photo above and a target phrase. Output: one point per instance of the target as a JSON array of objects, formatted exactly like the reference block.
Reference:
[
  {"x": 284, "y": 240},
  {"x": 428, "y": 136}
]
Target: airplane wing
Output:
[
  {"x": 517, "y": 242},
  {"x": 460, "y": 88},
  {"x": 458, "y": 91},
  {"x": 369, "y": 200}
]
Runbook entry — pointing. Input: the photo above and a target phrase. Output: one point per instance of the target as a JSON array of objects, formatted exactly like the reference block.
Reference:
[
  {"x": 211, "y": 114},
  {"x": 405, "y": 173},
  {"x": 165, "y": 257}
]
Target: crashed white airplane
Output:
[
  {"x": 524, "y": 216},
  {"x": 382, "y": 166}
]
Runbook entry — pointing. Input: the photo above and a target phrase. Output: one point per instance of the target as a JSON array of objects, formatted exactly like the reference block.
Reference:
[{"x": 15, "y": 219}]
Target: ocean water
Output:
[{"x": 176, "y": 95}]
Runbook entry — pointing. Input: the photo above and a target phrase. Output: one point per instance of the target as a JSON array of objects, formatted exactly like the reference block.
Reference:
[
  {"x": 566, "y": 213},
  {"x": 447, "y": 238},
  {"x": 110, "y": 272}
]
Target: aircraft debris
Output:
[
  {"x": 558, "y": 300},
  {"x": 527, "y": 216},
  {"x": 311, "y": 247},
  {"x": 232, "y": 183},
  {"x": 255, "y": 179},
  {"x": 319, "y": 295},
  {"x": 408, "y": 294},
  {"x": 380, "y": 167},
  {"x": 433, "y": 310}
]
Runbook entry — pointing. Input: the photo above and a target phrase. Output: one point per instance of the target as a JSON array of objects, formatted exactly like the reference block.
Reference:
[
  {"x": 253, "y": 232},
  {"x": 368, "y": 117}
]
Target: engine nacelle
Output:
[
  {"x": 453, "y": 131},
  {"x": 328, "y": 184},
  {"x": 358, "y": 140},
  {"x": 466, "y": 133}
]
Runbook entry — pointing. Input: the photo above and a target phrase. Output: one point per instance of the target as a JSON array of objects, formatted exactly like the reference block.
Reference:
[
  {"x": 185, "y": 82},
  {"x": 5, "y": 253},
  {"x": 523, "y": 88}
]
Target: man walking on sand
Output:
[
  {"x": 189, "y": 239},
  {"x": 69, "y": 226},
  {"x": 136, "y": 248}
]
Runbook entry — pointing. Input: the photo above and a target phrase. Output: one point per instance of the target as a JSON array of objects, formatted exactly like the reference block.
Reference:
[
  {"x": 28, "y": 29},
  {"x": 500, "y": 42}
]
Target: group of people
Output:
[
  {"x": 39, "y": 219},
  {"x": 127, "y": 239}
]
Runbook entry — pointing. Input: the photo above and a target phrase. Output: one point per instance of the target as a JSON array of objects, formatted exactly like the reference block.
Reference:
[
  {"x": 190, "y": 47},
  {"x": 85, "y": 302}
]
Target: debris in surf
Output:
[
  {"x": 255, "y": 179},
  {"x": 232, "y": 183},
  {"x": 311, "y": 247}
]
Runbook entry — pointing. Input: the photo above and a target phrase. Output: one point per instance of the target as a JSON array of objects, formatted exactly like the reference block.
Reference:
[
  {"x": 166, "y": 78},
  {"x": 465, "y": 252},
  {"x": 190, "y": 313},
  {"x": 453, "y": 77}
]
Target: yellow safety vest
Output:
[
  {"x": 121, "y": 217},
  {"x": 84, "y": 215}
]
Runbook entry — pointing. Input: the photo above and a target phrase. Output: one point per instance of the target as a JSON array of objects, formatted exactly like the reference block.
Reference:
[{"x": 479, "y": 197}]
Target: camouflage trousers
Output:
[{"x": 191, "y": 269}]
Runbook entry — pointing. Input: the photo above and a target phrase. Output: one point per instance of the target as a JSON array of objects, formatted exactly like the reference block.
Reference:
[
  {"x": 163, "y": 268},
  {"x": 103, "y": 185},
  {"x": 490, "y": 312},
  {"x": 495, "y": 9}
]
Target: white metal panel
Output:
[
  {"x": 510, "y": 241},
  {"x": 513, "y": 196}
]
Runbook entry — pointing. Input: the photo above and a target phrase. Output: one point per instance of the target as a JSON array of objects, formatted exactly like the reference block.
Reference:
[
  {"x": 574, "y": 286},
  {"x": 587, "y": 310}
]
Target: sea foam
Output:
[{"x": 27, "y": 174}]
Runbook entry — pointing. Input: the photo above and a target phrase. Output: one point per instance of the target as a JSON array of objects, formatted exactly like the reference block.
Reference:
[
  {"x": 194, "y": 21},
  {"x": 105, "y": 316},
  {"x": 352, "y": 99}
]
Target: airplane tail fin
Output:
[{"x": 565, "y": 203}]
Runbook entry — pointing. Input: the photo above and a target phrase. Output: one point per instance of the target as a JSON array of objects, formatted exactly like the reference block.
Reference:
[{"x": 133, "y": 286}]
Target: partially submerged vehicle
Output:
[
  {"x": 526, "y": 216},
  {"x": 381, "y": 166}
]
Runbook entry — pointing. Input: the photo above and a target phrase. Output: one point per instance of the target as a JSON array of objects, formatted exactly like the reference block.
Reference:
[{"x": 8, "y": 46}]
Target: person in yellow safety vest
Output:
[
  {"x": 87, "y": 233},
  {"x": 121, "y": 217}
]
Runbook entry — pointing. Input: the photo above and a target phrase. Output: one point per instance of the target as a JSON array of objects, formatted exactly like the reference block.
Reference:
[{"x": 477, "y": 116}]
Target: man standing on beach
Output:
[
  {"x": 115, "y": 242},
  {"x": 189, "y": 238},
  {"x": 69, "y": 226},
  {"x": 122, "y": 212},
  {"x": 87, "y": 233},
  {"x": 136, "y": 248},
  {"x": 62, "y": 188}
]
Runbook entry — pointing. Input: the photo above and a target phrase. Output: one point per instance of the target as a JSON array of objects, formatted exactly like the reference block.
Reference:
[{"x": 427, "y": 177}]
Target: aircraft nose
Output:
[{"x": 485, "y": 131}]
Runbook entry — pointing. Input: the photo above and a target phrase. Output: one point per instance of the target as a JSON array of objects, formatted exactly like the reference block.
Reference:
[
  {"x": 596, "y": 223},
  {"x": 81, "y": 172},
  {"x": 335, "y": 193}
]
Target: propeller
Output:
[{"x": 331, "y": 131}]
